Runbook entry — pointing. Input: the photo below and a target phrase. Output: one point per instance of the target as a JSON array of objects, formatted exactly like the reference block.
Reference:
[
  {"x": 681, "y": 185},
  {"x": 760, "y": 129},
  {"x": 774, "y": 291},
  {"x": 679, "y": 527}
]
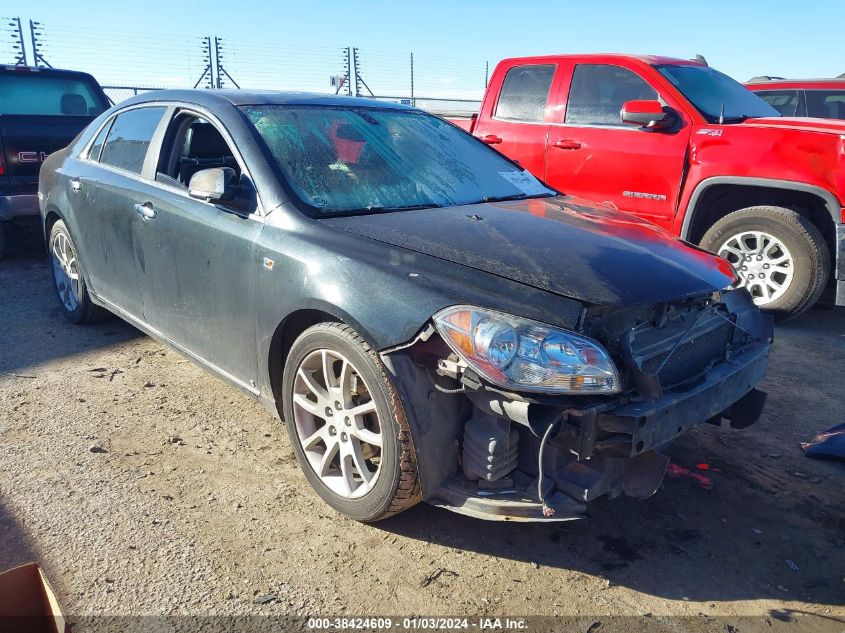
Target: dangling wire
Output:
[{"x": 547, "y": 510}]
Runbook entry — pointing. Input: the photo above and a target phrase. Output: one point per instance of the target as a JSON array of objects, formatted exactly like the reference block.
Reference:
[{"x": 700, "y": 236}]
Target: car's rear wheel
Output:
[
  {"x": 347, "y": 424},
  {"x": 68, "y": 279},
  {"x": 780, "y": 257}
]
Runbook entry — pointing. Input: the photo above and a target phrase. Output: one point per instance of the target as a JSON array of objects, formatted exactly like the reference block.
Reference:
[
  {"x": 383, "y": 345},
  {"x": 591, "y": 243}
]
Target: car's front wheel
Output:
[
  {"x": 779, "y": 256},
  {"x": 347, "y": 424},
  {"x": 68, "y": 279}
]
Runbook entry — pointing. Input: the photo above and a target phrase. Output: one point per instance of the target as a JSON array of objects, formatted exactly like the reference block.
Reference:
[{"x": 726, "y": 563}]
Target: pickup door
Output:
[
  {"x": 592, "y": 154},
  {"x": 560, "y": 120}
]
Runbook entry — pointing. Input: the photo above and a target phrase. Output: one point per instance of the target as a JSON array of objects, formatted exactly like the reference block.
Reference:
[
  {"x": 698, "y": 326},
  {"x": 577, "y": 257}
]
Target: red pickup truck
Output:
[{"x": 687, "y": 147}]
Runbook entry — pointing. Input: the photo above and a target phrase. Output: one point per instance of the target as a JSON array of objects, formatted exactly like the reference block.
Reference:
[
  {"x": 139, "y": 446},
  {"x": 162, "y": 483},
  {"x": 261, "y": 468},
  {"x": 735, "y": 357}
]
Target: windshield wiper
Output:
[
  {"x": 411, "y": 207},
  {"x": 516, "y": 196}
]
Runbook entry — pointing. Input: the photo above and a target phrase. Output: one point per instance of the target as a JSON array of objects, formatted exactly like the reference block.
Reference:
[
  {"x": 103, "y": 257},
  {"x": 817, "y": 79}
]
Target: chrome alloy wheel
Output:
[
  {"x": 763, "y": 263},
  {"x": 337, "y": 423},
  {"x": 66, "y": 271}
]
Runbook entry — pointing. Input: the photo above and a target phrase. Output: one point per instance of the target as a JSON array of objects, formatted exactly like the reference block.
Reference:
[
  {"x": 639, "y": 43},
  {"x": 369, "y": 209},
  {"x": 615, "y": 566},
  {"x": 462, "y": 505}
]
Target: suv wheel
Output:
[
  {"x": 68, "y": 279},
  {"x": 779, "y": 256},
  {"x": 347, "y": 424}
]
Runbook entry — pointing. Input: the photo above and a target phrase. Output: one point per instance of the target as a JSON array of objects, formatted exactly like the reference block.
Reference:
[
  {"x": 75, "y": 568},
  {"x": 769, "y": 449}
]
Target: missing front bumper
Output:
[{"x": 609, "y": 450}]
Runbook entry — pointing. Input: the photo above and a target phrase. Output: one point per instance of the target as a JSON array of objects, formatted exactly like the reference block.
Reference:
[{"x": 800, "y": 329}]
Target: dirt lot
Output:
[{"x": 196, "y": 505}]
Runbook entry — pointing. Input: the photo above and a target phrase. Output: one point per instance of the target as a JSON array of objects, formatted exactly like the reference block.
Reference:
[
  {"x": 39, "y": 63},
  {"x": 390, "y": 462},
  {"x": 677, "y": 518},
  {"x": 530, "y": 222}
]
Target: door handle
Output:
[
  {"x": 75, "y": 184},
  {"x": 566, "y": 144},
  {"x": 491, "y": 139},
  {"x": 146, "y": 210}
]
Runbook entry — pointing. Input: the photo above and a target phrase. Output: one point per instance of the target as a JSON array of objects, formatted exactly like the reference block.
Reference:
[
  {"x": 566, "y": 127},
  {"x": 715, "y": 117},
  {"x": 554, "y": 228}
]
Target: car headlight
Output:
[{"x": 521, "y": 354}]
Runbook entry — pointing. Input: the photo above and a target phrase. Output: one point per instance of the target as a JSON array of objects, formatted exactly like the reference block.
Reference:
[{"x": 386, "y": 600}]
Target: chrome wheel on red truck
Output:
[{"x": 779, "y": 256}]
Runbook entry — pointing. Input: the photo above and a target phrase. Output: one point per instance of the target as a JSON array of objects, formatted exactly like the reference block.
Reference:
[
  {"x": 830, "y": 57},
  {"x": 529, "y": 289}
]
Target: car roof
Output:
[
  {"x": 47, "y": 72},
  {"x": 211, "y": 98},
  {"x": 652, "y": 60},
  {"x": 806, "y": 84}
]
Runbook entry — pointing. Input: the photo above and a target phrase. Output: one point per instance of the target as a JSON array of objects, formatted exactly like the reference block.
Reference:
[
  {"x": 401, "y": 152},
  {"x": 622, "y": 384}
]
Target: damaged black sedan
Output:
[{"x": 430, "y": 321}]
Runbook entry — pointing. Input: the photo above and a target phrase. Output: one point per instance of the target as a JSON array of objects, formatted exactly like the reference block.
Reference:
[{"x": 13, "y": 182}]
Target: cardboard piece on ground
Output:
[{"x": 27, "y": 602}]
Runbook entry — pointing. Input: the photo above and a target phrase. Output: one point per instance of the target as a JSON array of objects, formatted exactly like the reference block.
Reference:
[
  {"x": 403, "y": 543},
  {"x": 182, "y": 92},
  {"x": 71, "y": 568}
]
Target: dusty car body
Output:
[{"x": 493, "y": 346}]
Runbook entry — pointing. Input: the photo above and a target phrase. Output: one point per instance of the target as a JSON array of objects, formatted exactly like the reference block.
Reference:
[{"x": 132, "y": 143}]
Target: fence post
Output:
[
  {"x": 413, "y": 100},
  {"x": 20, "y": 60},
  {"x": 36, "y": 56}
]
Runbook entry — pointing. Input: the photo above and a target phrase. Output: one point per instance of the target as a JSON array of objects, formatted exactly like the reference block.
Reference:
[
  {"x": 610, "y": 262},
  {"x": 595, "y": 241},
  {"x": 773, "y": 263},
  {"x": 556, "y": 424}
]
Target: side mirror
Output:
[
  {"x": 213, "y": 184},
  {"x": 650, "y": 115}
]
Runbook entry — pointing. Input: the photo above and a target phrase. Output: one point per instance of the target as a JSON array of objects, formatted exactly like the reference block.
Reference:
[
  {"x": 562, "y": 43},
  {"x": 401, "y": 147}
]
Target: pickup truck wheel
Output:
[
  {"x": 347, "y": 424},
  {"x": 68, "y": 279},
  {"x": 779, "y": 255}
]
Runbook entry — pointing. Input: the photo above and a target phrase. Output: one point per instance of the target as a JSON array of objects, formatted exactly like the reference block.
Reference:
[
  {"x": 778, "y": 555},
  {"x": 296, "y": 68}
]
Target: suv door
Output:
[
  {"x": 517, "y": 125},
  {"x": 103, "y": 196},
  {"x": 197, "y": 260},
  {"x": 593, "y": 155}
]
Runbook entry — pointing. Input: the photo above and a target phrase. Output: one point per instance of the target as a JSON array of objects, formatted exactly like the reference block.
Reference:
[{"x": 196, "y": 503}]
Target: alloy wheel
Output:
[
  {"x": 66, "y": 271},
  {"x": 337, "y": 423},
  {"x": 763, "y": 263}
]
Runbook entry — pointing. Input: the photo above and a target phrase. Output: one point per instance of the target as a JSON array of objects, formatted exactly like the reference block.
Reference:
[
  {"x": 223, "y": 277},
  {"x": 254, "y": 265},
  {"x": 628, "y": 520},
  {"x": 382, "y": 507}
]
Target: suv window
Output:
[
  {"x": 784, "y": 101},
  {"x": 828, "y": 104},
  {"x": 32, "y": 93},
  {"x": 525, "y": 92},
  {"x": 129, "y": 138},
  {"x": 598, "y": 92}
]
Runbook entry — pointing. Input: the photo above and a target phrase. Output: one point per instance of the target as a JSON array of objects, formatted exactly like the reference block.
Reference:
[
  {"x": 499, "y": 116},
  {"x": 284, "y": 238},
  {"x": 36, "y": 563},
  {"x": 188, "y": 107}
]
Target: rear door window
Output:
[
  {"x": 598, "y": 92},
  {"x": 36, "y": 94},
  {"x": 525, "y": 92},
  {"x": 97, "y": 146},
  {"x": 784, "y": 101},
  {"x": 129, "y": 138},
  {"x": 827, "y": 104}
]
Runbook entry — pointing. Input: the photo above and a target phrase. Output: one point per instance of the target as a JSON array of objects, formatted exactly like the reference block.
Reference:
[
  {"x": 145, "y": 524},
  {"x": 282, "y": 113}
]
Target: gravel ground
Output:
[{"x": 192, "y": 502}]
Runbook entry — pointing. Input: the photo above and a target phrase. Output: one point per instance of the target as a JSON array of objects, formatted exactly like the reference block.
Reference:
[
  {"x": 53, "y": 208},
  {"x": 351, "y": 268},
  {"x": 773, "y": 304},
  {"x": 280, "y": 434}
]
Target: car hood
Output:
[
  {"x": 561, "y": 245},
  {"x": 807, "y": 124}
]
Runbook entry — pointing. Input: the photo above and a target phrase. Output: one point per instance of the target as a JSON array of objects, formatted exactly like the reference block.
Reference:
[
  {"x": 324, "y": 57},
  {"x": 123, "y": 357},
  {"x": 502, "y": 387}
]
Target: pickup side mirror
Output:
[
  {"x": 213, "y": 185},
  {"x": 647, "y": 114}
]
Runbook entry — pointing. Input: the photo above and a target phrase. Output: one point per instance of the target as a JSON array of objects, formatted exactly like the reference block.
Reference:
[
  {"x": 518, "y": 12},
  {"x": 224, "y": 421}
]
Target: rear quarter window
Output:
[
  {"x": 524, "y": 93},
  {"x": 34, "y": 94},
  {"x": 129, "y": 138}
]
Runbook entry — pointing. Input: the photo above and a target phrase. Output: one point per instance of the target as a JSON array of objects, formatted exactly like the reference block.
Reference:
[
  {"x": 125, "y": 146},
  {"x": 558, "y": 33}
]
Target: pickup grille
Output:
[{"x": 702, "y": 347}]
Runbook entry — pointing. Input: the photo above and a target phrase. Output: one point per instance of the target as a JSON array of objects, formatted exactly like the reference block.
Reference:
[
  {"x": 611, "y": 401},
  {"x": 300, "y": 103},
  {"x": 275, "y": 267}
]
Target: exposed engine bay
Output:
[{"x": 489, "y": 452}]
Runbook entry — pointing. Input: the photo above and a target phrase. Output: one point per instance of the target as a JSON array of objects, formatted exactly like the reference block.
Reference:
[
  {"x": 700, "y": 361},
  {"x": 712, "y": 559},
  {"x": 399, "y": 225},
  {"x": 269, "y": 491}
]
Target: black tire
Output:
[
  {"x": 397, "y": 486},
  {"x": 85, "y": 310},
  {"x": 801, "y": 237}
]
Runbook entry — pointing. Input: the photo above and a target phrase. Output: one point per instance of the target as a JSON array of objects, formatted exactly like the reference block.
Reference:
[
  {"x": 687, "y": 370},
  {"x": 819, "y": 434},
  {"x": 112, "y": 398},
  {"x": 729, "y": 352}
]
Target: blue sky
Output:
[{"x": 295, "y": 45}]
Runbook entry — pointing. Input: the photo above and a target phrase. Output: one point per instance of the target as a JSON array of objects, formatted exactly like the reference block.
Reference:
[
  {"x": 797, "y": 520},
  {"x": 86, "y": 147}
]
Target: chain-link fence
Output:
[{"x": 127, "y": 63}]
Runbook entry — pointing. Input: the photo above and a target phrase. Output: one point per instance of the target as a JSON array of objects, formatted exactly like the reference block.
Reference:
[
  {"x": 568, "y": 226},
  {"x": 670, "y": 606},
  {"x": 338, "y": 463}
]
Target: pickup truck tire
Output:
[
  {"x": 780, "y": 255},
  {"x": 69, "y": 280},
  {"x": 331, "y": 375}
]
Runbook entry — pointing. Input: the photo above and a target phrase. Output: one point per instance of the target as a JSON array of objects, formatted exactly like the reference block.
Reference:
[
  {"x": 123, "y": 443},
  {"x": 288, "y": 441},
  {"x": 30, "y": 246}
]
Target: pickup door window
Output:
[
  {"x": 593, "y": 155},
  {"x": 518, "y": 125},
  {"x": 827, "y": 104},
  {"x": 784, "y": 101}
]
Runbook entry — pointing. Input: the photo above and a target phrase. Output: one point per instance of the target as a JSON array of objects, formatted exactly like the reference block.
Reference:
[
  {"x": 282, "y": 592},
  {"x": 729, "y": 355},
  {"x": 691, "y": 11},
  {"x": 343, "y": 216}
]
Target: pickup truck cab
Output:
[
  {"x": 688, "y": 148},
  {"x": 41, "y": 111},
  {"x": 821, "y": 98}
]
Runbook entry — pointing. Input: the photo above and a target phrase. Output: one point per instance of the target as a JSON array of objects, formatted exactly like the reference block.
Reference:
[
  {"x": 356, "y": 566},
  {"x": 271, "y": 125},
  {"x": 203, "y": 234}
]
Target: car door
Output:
[
  {"x": 517, "y": 123},
  {"x": 592, "y": 154},
  {"x": 197, "y": 265},
  {"x": 103, "y": 194}
]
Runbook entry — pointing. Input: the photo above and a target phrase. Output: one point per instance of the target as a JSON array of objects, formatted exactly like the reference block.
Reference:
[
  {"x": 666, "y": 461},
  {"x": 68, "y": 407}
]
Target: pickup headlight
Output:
[{"x": 521, "y": 354}]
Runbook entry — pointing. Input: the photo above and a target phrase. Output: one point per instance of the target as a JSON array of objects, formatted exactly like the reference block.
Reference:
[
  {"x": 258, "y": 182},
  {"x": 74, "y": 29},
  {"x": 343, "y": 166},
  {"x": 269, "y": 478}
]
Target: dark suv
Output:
[{"x": 41, "y": 110}]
